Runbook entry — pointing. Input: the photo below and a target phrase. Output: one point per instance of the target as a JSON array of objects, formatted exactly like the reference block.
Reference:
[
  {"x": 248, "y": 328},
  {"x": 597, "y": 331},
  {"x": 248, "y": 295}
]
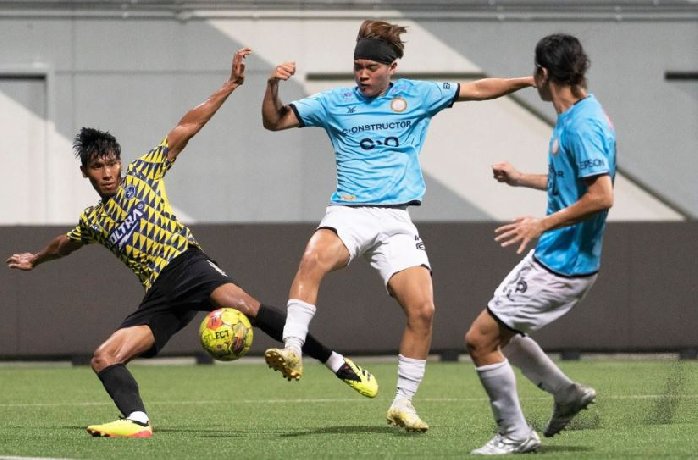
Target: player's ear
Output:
[
  {"x": 543, "y": 72},
  {"x": 84, "y": 171}
]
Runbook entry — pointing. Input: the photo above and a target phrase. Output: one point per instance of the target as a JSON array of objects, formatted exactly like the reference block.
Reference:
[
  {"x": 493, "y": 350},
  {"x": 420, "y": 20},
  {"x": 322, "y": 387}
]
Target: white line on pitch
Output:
[
  {"x": 10, "y": 457},
  {"x": 324, "y": 400}
]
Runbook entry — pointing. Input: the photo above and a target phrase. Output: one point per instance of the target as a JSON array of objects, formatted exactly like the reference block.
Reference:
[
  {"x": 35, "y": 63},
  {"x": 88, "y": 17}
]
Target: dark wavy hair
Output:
[
  {"x": 565, "y": 59},
  {"x": 385, "y": 31},
  {"x": 92, "y": 143}
]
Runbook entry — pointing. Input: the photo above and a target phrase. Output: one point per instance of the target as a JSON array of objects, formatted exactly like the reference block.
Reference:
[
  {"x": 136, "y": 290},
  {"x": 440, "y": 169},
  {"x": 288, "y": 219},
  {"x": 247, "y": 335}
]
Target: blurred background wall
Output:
[{"x": 133, "y": 68}]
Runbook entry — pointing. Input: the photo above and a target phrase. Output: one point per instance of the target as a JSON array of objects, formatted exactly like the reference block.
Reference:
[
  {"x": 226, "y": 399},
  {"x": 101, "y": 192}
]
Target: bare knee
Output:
[
  {"x": 472, "y": 343},
  {"x": 101, "y": 359},
  {"x": 314, "y": 264},
  {"x": 233, "y": 296},
  {"x": 122, "y": 346},
  {"x": 421, "y": 313},
  {"x": 483, "y": 348}
]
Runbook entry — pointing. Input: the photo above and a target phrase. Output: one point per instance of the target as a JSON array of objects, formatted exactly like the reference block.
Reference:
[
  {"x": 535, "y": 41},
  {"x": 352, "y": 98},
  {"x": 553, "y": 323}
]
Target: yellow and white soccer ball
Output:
[{"x": 226, "y": 334}]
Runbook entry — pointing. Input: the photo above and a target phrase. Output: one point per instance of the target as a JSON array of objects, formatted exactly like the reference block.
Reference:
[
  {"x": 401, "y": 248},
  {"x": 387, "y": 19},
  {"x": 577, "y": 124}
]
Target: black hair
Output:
[
  {"x": 565, "y": 59},
  {"x": 91, "y": 143}
]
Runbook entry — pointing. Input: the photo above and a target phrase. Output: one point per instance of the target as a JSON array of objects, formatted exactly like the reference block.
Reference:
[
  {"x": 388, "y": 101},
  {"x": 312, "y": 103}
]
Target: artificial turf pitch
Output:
[{"x": 645, "y": 409}]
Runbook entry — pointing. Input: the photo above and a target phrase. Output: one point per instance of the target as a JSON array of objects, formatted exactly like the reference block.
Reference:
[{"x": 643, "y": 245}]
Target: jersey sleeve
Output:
[
  {"x": 154, "y": 164},
  {"x": 439, "y": 95},
  {"x": 80, "y": 231},
  {"x": 587, "y": 145},
  {"x": 311, "y": 111}
]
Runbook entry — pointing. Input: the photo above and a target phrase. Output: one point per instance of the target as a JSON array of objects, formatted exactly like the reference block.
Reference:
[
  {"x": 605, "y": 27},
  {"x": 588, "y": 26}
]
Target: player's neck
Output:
[{"x": 564, "y": 97}]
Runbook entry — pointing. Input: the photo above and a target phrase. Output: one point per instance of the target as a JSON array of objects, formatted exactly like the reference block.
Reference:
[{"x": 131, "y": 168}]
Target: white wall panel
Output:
[{"x": 23, "y": 150}]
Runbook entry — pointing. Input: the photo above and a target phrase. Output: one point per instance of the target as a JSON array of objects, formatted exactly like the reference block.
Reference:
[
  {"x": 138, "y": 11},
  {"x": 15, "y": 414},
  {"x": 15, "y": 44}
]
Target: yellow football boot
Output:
[
  {"x": 359, "y": 379},
  {"x": 123, "y": 428}
]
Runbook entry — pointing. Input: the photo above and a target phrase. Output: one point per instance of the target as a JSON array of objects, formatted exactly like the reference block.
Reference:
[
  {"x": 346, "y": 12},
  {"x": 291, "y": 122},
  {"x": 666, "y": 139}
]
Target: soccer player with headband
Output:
[{"x": 377, "y": 130}]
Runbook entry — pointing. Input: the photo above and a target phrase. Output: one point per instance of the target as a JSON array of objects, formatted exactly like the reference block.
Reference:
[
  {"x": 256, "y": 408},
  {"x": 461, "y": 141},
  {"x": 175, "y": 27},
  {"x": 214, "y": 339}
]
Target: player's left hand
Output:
[
  {"x": 522, "y": 230},
  {"x": 237, "y": 73}
]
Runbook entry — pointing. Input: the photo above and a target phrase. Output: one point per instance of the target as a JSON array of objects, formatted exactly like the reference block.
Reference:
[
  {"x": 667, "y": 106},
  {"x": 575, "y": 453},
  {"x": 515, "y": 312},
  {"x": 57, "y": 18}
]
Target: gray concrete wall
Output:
[
  {"x": 644, "y": 300},
  {"x": 136, "y": 76}
]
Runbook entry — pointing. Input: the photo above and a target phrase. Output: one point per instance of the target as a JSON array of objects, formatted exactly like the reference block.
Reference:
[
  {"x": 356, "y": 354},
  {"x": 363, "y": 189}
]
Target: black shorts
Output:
[{"x": 183, "y": 288}]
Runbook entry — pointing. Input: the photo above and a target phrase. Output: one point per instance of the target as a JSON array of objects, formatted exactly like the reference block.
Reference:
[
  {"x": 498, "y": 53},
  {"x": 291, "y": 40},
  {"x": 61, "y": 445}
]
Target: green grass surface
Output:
[{"x": 645, "y": 409}]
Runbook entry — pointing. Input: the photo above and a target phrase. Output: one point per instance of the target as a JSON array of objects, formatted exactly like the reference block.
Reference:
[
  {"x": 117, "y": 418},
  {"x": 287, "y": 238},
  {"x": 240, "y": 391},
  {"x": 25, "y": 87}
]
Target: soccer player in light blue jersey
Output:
[
  {"x": 377, "y": 129},
  {"x": 558, "y": 273}
]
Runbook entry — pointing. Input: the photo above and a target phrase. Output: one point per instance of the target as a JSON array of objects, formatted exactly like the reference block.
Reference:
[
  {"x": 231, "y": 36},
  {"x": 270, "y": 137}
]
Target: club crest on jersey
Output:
[
  {"x": 122, "y": 234},
  {"x": 398, "y": 105},
  {"x": 130, "y": 191}
]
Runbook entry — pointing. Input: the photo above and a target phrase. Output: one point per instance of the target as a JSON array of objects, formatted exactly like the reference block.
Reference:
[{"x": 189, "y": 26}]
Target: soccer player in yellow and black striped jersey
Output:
[{"x": 134, "y": 220}]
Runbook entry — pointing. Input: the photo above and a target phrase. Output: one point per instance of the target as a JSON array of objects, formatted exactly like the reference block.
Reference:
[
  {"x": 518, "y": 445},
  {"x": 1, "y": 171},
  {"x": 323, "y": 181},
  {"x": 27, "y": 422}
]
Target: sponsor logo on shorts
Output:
[{"x": 520, "y": 286}]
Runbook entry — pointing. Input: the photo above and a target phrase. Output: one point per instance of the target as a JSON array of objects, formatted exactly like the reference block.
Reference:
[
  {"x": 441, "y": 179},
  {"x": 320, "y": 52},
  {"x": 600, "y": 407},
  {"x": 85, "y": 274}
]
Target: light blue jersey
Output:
[
  {"x": 583, "y": 145},
  {"x": 377, "y": 141}
]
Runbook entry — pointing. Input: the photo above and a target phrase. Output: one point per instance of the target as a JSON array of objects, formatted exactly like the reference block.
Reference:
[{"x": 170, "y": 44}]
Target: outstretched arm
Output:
[
  {"x": 492, "y": 88},
  {"x": 598, "y": 197},
  {"x": 505, "y": 172},
  {"x": 275, "y": 115},
  {"x": 58, "y": 247},
  {"x": 192, "y": 121}
]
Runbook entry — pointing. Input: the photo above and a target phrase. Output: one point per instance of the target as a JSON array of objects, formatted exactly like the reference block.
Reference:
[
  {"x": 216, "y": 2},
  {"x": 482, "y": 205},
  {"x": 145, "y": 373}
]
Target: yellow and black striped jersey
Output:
[{"x": 138, "y": 224}]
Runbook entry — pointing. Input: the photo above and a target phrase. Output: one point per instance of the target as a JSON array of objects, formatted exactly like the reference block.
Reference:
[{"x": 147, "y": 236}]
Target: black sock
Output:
[
  {"x": 271, "y": 321},
  {"x": 122, "y": 388}
]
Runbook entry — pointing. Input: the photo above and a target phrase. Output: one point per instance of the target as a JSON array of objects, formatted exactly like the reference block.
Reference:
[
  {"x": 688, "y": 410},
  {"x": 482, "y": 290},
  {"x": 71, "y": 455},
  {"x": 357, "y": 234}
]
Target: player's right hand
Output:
[
  {"x": 505, "y": 172},
  {"x": 283, "y": 71},
  {"x": 24, "y": 261}
]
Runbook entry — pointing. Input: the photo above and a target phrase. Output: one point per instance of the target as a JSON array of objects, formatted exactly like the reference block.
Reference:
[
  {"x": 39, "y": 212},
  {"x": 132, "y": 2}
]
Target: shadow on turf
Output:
[
  {"x": 228, "y": 433},
  {"x": 564, "y": 449},
  {"x": 664, "y": 409},
  {"x": 586, "y": 420},
  {"x": 346, "y": 430},
  {"x": 204, "y": 432}
]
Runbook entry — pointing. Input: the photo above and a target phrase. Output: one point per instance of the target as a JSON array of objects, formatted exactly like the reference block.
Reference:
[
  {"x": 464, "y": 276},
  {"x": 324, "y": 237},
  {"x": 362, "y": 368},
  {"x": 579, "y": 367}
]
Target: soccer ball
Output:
[{"x": 226, "y": 334}]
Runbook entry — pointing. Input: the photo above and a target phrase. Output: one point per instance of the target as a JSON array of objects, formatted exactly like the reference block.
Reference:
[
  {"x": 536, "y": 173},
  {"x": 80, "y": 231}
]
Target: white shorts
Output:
[
  {"x": 386, "y": 237},
  {"x": 531, "y": 297}
]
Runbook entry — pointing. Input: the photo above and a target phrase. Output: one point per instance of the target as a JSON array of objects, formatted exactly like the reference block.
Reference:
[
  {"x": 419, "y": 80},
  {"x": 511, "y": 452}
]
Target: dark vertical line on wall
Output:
[{"x": 670, "y": 75}]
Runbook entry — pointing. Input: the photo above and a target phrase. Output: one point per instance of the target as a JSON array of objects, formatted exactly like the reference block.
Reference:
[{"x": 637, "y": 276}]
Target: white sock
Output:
[
  {"x": 297, "y": 323},
  {"x": 499, "y": 382},
  {"x": 526, "y": 354},
  {"x": 138, "y": 416},
  {"x": 334, "y": 362},
  {"x": 409, "y": 375}
]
